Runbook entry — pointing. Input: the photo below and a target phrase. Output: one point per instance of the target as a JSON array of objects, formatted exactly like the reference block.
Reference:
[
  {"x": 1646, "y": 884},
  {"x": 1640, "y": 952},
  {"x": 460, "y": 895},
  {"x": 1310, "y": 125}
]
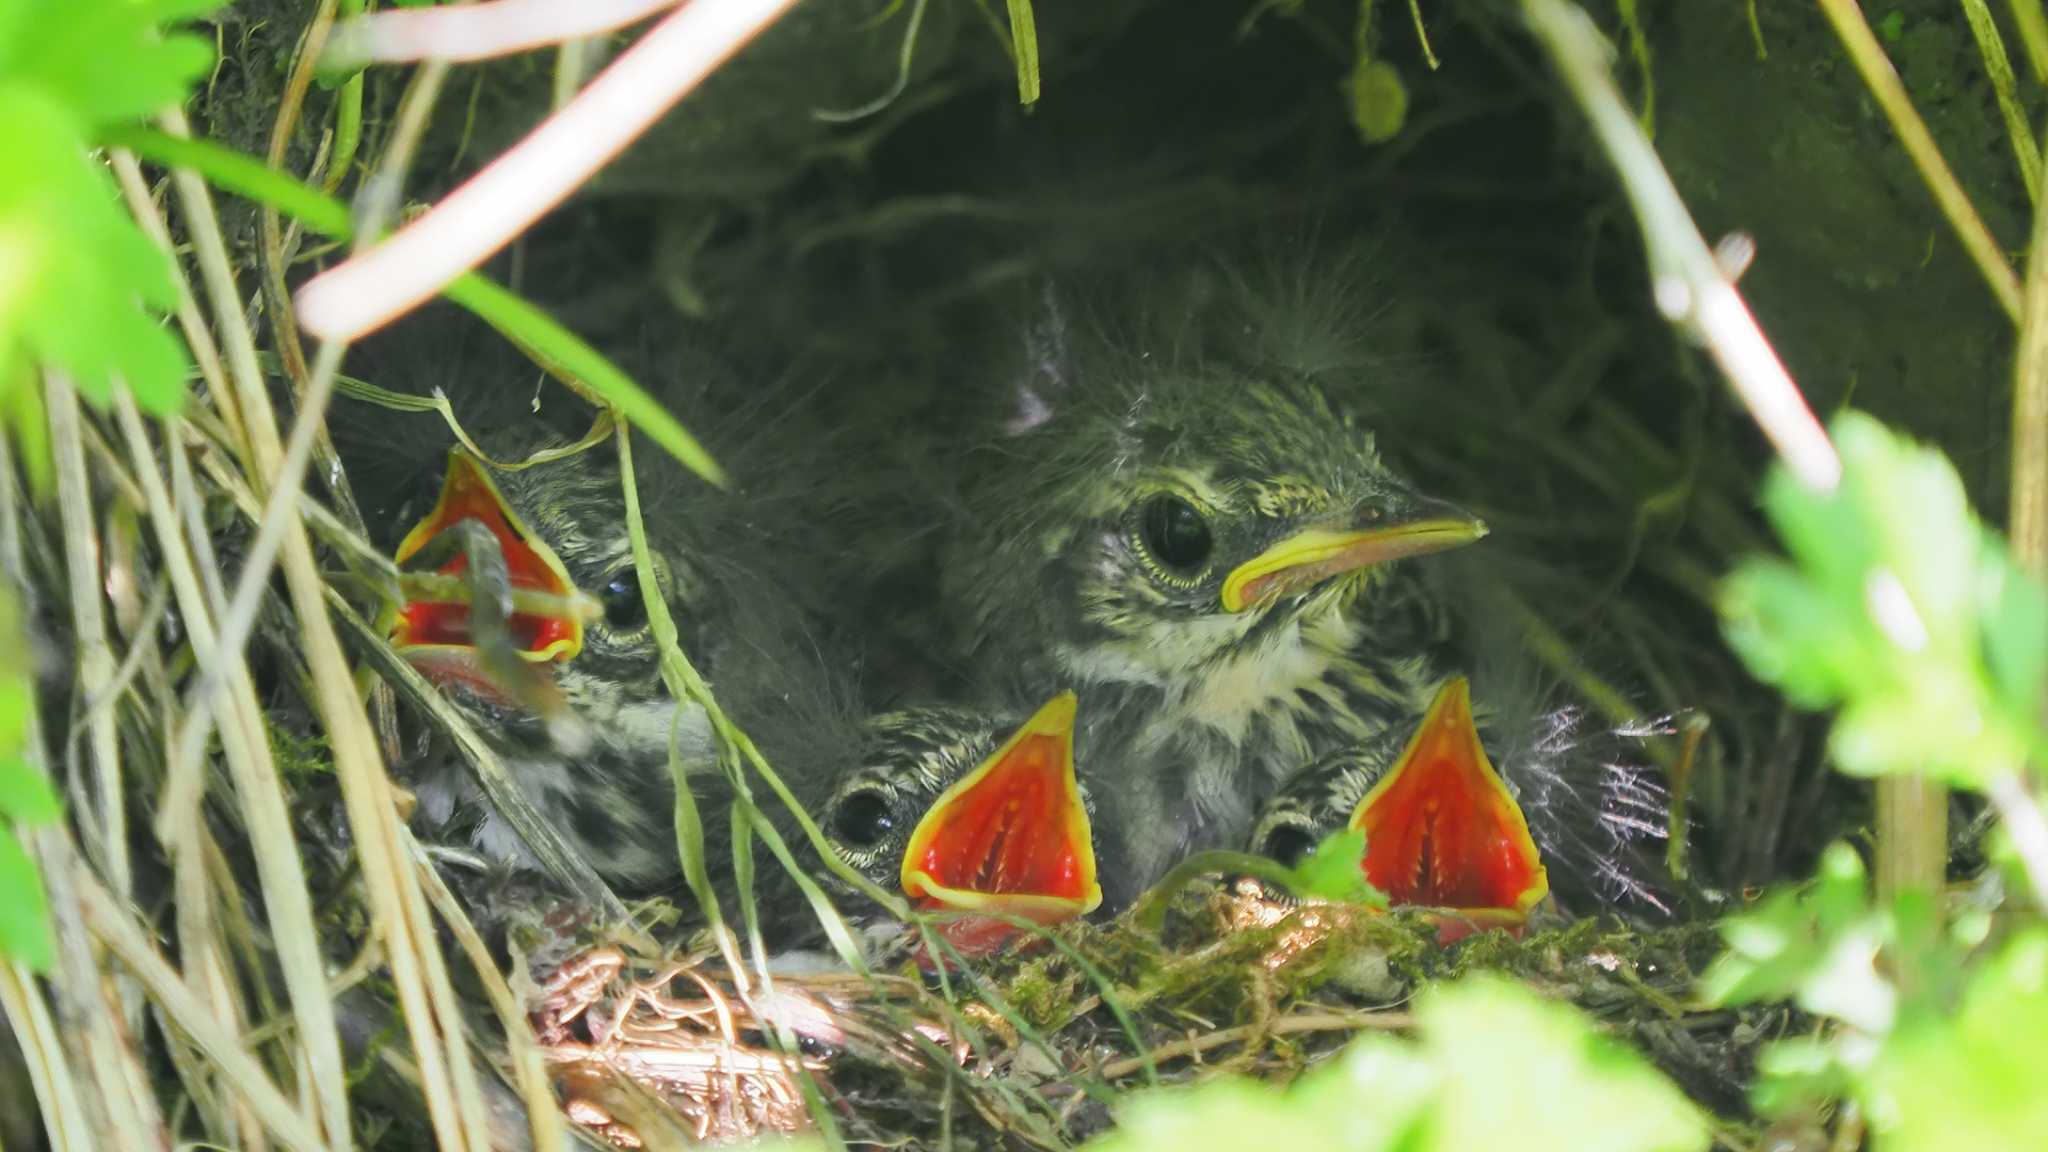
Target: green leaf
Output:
[
  {"x": 1776, "y": 948},
  {"x": 1899, "y": 608},
  {"x": 25, "y": 796},
  {"x": 2015, "y": 628},
  {"x": 24, "y": 909},
  {"x": 1524, "y": 1073},
  {"x": 1496, "y": 1067},
  {"x": 1971, "y": 1079},
  {"x": 1335, "y": 871},
  {"x": 75, "y": 271},
  {"x": 104, "y": 61}
]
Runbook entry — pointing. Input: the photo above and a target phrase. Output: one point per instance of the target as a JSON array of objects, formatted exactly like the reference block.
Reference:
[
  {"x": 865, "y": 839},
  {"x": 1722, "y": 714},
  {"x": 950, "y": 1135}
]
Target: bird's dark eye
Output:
[
  {"x": 624, "y": 608},
  {"x": 863, "y": 820},
  {"x": 1175, "y": 533},
  {"x": 1290, "y": 844}
]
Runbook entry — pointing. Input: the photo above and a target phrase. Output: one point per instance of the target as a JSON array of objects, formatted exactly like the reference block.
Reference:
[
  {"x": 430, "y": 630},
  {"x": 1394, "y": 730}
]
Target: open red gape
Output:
[
  {"x": 1441, "y": 829},
  {"x": 467, "y": 493},
  {"x": 1012, "y": 835}
]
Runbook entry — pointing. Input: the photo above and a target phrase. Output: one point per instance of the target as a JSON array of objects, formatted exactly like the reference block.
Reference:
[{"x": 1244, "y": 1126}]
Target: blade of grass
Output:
[
  {"x": 1998, "y": 66},
  {"x": 1890, "y": 93},
  {"x": 348, "y": 116},
  {"x": 1024, "y": 42},
  {"x": 905, "y": 54},
  {"x": 83, "y": 1028},
  {"x": 540, "y": 335},
  {"x": 2033, "y": 27},
  {"x": 277, "y": 298},
  {"x": 742, "y": 817},
  {"x": 191, "y": 322}
]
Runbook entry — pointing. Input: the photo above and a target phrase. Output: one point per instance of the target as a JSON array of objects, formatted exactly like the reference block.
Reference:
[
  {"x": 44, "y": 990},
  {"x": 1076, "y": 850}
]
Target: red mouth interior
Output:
[
  {"x": 467, "y": 495},
  {"x": 1442, "y": 833},
  {"x": 1012, "y": 833}
]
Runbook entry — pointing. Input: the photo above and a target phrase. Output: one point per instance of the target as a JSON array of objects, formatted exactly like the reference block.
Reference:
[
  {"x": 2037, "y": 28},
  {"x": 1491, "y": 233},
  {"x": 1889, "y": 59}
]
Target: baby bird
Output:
[
  {"x": 587, "y": 726},
  {"x": 1570, "y": 807},
  {"x": 1215, "y": 554},
  {"x": 968, "y": 812}
]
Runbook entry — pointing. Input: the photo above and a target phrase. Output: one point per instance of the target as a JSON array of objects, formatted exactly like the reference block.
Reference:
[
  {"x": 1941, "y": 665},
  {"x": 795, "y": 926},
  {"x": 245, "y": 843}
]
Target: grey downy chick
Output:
[
  {"x": 739, "y": 602},
  {"x": 1214, "y": 553},
  {"x": 1506, "y": 789},
  {"x": 969, "y": 812}
]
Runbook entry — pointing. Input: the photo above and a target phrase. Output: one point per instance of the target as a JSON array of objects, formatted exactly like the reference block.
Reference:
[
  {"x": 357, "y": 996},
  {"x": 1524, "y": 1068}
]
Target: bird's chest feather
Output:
[{"x": 1230, "y": 680}]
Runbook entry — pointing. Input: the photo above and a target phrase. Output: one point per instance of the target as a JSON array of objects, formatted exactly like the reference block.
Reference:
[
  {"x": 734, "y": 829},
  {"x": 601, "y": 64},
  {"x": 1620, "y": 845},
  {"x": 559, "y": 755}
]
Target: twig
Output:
[
  {"x": 1912, "y": 835},
  {"x": 1285, "y": 1026},
  {"x": 475, "y": 32},
  {"x": 113, "y": 927},
  {"x": 1890, "y": 92},
  {"x": 1691, "y": 289},
  {"x": 517, "y": 188}
]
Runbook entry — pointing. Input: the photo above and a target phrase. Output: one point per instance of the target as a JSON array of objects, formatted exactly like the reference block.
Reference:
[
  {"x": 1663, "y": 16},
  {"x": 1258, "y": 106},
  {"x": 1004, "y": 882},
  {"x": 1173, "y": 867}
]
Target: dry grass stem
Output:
[
  {"x": 417, "y": 972},
  {"x": 114, "y": 928},
  {"x": 96, "y": 662},
  {"x": 245, "y": 743}
]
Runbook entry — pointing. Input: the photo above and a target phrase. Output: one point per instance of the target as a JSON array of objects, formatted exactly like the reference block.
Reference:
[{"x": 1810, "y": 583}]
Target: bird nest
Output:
[{"x": 1037, "y": 1045}]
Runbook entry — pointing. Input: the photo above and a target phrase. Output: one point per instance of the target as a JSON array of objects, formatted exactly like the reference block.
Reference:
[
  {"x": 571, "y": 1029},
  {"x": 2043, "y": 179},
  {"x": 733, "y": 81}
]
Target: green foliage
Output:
[
  {"x": 1494, "y": 1067},
  {"x": 1941, "y": 1051},
  {"x": 1332, "y": 871},
  {"x": 25, "y": 800},
  {"x": 79, "y": 282},
  {"x": 1900, "y": 608},
  {"x": 1971, "y": 1078}
]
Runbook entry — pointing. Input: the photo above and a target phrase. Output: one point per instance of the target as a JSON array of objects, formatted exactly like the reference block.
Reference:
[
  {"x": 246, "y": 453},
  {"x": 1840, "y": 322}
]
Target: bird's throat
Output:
[{"x": 1441, "y": 828}]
